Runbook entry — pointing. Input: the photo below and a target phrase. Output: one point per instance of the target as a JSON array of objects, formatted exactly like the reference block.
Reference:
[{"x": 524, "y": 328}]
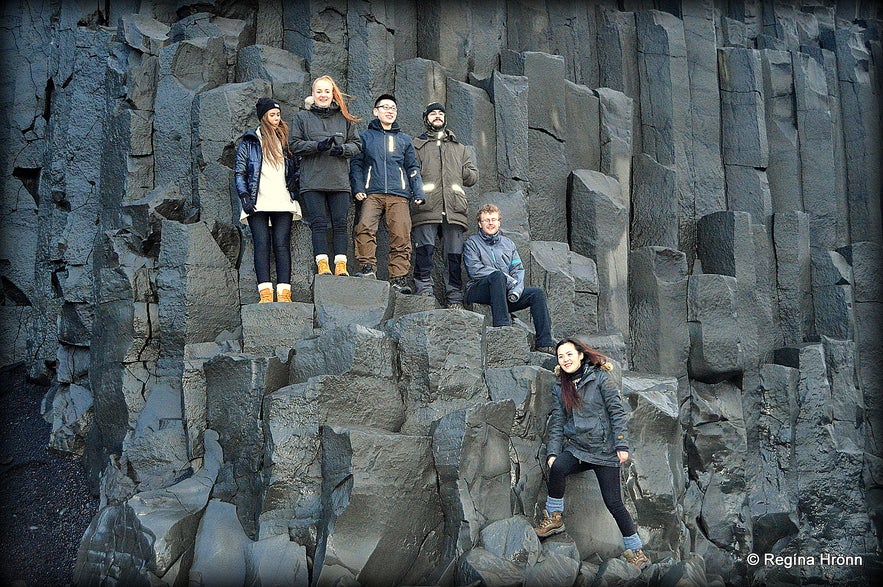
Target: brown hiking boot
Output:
[
  {"x": 550, "y": 525},
  {"x": 266, "y": 295},
  {"x": 636, "y": 557},
  {"x": 322, "y": 267}
]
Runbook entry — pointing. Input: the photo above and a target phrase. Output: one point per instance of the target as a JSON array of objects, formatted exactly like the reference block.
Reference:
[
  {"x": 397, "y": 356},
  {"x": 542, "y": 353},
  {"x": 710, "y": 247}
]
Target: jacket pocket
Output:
[
  {"x": 404, "y": 181},
  {"x": 459, "y": 200},
  {"x": 593, "y": 433},
  {"x": 368, "y": 179}
]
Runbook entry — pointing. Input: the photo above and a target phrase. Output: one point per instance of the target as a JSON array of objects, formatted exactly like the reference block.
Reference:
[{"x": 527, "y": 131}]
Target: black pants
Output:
[
  {"x": 423, "y": 240},
  {"x": 260, "y": 225},
  {"x": 319, "y": 209},
  {"x": 491, "y": 290},
  {"x": 608, "y": 480}
]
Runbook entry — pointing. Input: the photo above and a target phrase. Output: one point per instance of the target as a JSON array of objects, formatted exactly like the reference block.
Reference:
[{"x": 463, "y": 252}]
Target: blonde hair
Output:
[
  {"x": 273, "y": 150},
  {"x": 338, "y": 97},
  {"x": 488, "y": 209}
]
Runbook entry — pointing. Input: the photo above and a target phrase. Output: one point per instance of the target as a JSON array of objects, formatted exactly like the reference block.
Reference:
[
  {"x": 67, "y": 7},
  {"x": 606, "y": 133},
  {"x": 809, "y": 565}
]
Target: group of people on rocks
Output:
[{"x": 317, "y": 166}]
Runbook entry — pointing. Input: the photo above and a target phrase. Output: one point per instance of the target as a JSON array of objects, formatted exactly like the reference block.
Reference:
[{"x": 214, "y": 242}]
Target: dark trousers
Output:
[
  {"x": 423, "y": 239},
  {"x": 492, "y": 290},
  {"x": 320, "y": 207},
  {"x": 608, "y": 480},
  {"x": 262, "y": 224}
]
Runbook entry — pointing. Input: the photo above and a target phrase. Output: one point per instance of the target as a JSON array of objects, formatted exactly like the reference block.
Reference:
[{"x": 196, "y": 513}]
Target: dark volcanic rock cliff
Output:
[{"x": 696, "y": 184}]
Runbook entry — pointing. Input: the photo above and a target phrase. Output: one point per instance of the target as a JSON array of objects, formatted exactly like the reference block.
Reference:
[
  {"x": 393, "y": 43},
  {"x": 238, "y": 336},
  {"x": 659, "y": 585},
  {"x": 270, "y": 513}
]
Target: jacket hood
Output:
[
  {"x": 447, "y": 135},
  {"x": 490, "y": 239},
  {"x": 251, "y": 134},
  {"x": 310, "y": 104},
  {"x": 375, "y": 125}
]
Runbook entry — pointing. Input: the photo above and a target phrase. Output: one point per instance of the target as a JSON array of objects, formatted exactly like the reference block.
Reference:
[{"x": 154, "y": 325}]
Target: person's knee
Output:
[{"x": 496, "y": 278}]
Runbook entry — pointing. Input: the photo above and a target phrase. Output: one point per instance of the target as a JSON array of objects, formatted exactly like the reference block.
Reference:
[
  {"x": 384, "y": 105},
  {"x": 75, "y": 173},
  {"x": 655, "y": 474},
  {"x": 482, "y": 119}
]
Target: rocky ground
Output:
[{"x": 46, "y": 506}]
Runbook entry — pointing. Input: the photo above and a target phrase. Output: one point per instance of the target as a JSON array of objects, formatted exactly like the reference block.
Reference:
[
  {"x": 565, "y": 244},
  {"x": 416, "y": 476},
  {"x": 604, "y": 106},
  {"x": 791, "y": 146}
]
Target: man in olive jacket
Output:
[{"x": 446, "y": 169}]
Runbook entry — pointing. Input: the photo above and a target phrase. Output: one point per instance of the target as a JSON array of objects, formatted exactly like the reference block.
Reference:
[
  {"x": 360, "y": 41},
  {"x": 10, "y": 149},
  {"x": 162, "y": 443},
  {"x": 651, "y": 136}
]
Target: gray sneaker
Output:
[
  {"x": 401, "y": 285},
  {"x": 366, "y": 271}
]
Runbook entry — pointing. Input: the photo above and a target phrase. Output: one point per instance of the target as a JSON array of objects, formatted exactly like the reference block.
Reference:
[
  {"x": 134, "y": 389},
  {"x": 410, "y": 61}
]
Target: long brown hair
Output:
[
  {"x": 272, "y": 150},
  {"x": 568, "y": 390},
  {"x": 338, "y": 97}
]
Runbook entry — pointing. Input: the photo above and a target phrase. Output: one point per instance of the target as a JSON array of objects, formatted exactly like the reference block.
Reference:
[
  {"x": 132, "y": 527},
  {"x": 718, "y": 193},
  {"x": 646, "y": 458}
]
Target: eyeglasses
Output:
[{"x": 387, "y": 107}]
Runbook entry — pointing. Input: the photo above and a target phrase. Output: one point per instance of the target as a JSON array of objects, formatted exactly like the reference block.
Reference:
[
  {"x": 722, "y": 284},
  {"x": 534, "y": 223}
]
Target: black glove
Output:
[
  {"x": 248, "y": 205},
  {"x": 325, "y": 145},
  {"x": 336, "y": 150}
]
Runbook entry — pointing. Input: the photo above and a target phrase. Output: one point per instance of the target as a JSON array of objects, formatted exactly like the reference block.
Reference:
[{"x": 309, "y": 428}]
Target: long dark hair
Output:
[{"x": 568, "y": 390}]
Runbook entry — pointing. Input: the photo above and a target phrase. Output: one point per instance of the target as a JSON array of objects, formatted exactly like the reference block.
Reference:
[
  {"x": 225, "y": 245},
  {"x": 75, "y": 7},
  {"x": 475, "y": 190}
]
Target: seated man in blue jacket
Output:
[{"x": 496, "y": 278}]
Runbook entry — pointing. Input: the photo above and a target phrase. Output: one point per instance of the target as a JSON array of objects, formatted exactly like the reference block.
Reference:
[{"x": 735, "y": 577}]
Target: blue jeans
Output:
[
  {"x": 492, "y": 290},
  {"x": 260, "y": 225},
  {"x": 608, "y": 481},
  {"x": 318, "y": 207}
]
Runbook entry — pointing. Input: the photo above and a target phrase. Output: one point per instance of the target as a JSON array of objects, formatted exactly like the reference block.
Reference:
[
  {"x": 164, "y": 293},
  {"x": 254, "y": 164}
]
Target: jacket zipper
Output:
[
  {"x": 388, "y": 139},
  {"x": 441, "y": 177}
]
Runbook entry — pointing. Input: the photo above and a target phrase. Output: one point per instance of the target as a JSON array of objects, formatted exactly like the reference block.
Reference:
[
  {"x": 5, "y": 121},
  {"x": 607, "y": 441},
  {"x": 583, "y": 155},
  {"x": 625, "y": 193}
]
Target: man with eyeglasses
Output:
[
  {"x": 496, "y": 278},
  {"x": 385, "y": 177}
]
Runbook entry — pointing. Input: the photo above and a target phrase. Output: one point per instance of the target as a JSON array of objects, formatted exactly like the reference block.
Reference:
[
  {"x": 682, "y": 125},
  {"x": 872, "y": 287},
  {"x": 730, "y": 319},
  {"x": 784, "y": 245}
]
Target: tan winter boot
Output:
[
  {"x": 283, "y": 293},
  {"x": 266, "y": 295},
  {"x": 636, "y": 557},
  {"x": 340, "y": 267},
  {"x": 323, "y": 268},
  {"x": 551, "y": 524}
]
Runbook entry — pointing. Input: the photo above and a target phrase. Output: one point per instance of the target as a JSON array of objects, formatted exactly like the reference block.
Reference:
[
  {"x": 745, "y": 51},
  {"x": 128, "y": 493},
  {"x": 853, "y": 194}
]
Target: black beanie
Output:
[
  {"x": 431, "y": 107},
  {"x": 264, "y": 105},
  {"x": 426, "y": 123}
]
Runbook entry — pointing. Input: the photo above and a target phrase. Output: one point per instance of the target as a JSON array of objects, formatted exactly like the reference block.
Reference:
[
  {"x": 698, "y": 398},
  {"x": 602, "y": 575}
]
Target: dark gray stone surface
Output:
[
  {"x": 745, "y": 141},
  {"x": 659, "y": 336},
  {"x": 599, "y": 230}
]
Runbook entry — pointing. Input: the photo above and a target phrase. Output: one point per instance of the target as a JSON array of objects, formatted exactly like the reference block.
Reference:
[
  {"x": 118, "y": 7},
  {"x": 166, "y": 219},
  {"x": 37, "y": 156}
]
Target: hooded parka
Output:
[
  {"x": 594, "y": 430},
  {"x": 446, "y": 169},
  {"x": 387, "y": 164},
  {"x": 319, "y": 170}
]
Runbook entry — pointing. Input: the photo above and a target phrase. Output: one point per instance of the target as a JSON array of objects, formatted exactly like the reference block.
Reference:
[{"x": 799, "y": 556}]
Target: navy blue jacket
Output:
[
  {"x": 249, "y": 158},
  {"x": 387, "y": 164}
]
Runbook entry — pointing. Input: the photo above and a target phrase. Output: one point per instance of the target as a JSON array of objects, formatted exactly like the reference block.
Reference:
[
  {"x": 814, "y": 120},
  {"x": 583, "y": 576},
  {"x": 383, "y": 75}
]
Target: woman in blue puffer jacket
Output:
[
  {"x": 265, "y": 178},
  {"x": 588, "y": 430}
]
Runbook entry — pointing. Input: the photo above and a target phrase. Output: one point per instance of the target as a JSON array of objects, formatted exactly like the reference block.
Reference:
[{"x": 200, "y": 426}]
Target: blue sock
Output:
[
  {"x": 554, "y": 504},
  {"x": 632, "y": 542}
]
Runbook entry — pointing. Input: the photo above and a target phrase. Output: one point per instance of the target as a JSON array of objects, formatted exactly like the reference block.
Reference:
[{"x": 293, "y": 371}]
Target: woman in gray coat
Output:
[
  {"x": 588, "y": 430},
  {"x": 324, "y": 136}
]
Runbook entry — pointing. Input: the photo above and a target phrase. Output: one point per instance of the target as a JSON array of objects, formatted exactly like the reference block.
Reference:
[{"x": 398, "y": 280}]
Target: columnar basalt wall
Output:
[{"x": 696, "y": 185}]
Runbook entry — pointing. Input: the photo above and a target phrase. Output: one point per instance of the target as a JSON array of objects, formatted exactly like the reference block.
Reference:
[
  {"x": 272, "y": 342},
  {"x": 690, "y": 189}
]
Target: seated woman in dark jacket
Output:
[{"x": 588, "y": 430}]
